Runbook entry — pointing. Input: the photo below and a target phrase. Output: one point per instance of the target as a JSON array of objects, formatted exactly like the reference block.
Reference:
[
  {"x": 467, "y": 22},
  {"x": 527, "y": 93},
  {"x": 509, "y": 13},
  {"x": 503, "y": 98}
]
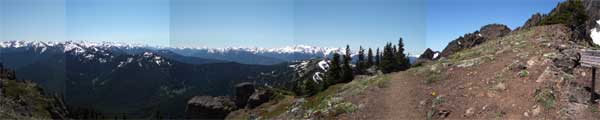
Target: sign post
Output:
[
  {"x": 591, "y": 58},
  {"x": 593, "y": 96}
]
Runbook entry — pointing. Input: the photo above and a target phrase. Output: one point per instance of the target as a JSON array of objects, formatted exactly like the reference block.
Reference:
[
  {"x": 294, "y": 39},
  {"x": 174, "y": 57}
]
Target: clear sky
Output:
[
  {"x": 260, "y": 23},
  {"x": 449, "y": 19}
]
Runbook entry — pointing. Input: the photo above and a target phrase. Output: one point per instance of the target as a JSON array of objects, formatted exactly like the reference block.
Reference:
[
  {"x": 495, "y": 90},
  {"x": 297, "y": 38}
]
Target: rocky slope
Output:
[
  {"x": 487, "y": 32},
  {"x": 26, "y": 100},
  {"x": 528, "y": 74}
]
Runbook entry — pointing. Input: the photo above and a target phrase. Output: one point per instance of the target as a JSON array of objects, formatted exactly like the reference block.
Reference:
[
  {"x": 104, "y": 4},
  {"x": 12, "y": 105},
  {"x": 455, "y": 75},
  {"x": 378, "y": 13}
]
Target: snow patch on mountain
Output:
[
  {"x": 300, "y": 67},
  {"x": 324, "y": 65},
  {"x": 157, "y": 60},
  {"x": 595, "y": 34},
  {"x": 317, "y": 77},
  {"x": 43, "y": 49},
  {"x": 89, "y": 56},
  {"x": 148, "y": 54}
]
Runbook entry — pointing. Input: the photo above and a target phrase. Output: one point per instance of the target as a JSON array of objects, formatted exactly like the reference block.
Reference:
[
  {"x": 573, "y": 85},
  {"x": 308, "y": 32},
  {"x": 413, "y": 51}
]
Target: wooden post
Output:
[{"x": 593, "y": 91}]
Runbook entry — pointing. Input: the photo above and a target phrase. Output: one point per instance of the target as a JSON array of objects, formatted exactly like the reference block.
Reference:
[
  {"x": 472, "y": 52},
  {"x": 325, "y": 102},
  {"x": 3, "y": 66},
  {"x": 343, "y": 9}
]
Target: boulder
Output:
[
  {"x": 517, "y": 66},
  {"x": 243, "y": 91},
  {"x": 259, "y": 97},
  {"x": 567, "y": 60},
  {"x": 208, "y": 107},
  {"x": 372, "y": 70}
]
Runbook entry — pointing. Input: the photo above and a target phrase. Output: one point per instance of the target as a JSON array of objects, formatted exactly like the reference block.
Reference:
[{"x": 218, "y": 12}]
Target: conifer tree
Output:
[
  {"x": 361, "y": 64},
  {"x": 388, "y": 60},
  {"x": 347, "y": 73},
  {"x": 333, "y": 76},
  {"x": 394, "y": 50},
  {"x": 377, "y": 58},
  {"x": 370, "y": 58},
  {"x": 403, "y": 61}
]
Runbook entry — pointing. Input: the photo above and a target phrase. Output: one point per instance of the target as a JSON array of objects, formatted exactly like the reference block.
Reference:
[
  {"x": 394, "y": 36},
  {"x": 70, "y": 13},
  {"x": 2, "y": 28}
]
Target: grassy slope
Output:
[
  {"x": 325, "y": 104},
  {"x": 31, "y": 96}
]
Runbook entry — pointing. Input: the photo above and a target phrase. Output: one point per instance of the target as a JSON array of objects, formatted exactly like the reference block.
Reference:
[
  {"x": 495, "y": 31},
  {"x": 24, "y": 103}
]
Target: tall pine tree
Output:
[
  {"x": 333, "y": 74},
  {"x": 388, "y": 60},
  {"x": 403, "y": 60},
  {"x": 377, "y": 58},
  {"x": 347, "y": 73},
  {"x": 360, "y": 63},
  {"x": 370, "y": 58}
]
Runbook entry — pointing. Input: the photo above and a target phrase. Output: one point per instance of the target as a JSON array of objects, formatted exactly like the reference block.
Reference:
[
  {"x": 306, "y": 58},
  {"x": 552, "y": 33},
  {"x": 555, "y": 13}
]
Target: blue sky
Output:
[
  {"x": 447, "y": 20},
  {"x": 260, "y": 23}
]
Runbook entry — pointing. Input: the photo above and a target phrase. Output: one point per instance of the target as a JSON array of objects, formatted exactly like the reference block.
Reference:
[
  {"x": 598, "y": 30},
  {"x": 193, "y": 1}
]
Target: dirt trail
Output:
[
  {"x": 399, "y": 100},
  {"x": 402, "y": 97}
]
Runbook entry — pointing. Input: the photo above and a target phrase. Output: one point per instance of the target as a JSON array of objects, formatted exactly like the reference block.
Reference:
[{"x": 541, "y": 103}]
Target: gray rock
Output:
[
  {"x": 259, "y": 97},
  {"x": 372, "y": 70},
  {"x": 517, "y": 66},
  {"x": 567, "y": 60},
  {"x": 208, "y": 107},
  {"x": 243, "y": 91}
]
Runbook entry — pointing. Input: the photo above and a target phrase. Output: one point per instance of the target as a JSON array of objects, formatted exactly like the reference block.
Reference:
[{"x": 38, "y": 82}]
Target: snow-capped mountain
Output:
[
  {"x": 264, "y": 56},
  {"x": 80, "y": 46},
  {"x": 284, "y": 50}
]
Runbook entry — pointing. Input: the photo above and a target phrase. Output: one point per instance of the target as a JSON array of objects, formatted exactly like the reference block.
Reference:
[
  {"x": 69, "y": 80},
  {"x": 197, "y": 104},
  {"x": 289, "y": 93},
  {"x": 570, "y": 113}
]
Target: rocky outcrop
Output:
[
  {"x": 428, "y": 54},
  {"x": 208, "y": 107},
  {"x": 243, "y": 91},
  {"x": 247, "y": 95},
  {"x": 487, "y": 32},
  {"x": 493, "y": 31},
  {"x": 259, "y": 97},
  {"x": 534, "y": 20}
]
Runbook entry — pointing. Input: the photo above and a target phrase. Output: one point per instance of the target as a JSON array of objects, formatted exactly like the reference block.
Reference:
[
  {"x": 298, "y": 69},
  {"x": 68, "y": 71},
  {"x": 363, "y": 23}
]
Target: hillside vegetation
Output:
[
  {"x": 528, "y": 74},
  {"x": 25, "y": 100}
]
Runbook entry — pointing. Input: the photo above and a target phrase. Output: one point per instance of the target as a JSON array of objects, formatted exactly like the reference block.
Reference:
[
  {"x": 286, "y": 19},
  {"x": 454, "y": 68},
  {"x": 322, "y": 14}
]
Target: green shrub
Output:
[
  {"x": 344, "y": 107},
  {"x": 571, "y": 13},
  {"x": 523, "y": 73},
  {"x": 432, "y": 78},
  {"x": 308, "y": 87},
  {"x": 545, "y": 96}
]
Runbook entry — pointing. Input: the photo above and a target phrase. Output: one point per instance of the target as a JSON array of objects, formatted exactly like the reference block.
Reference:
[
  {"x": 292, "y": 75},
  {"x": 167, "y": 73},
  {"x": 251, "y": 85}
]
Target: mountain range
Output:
[
  {"x": 116, "y": 78},
  {"x": 120, "y": 78}
]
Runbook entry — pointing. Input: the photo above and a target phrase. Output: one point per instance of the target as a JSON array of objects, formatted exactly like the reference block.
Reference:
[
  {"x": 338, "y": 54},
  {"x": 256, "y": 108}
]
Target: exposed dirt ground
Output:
[
  {"x": 487, "y": 90},
  {"x": 399, "y": 100}
]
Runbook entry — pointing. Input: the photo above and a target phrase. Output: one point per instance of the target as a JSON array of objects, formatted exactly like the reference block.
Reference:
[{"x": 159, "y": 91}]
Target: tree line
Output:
[{"x": 341, "y": 69}]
